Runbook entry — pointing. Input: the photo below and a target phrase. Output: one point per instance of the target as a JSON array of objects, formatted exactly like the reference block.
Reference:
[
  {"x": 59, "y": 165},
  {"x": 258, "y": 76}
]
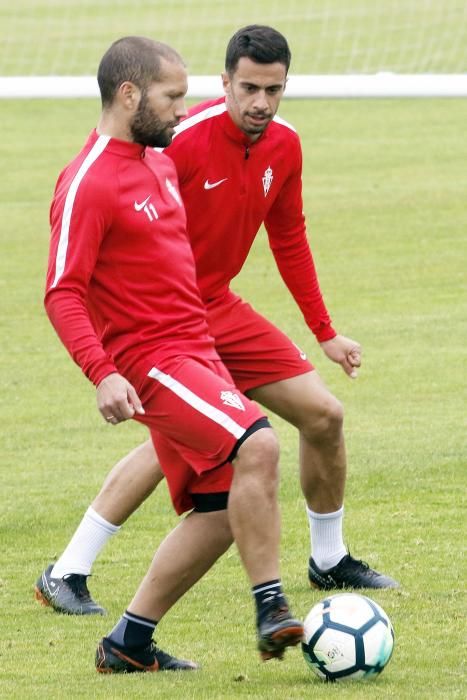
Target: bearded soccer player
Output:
[
  {"x": 140, "y": 334},
  {"x": 239, "y": 166}
]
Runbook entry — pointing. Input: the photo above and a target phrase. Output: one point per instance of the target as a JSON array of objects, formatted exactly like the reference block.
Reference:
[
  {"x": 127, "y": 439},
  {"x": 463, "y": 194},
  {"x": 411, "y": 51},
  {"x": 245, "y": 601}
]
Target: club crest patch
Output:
[
  {"x": 231, "y": 399},
  {"x": 268, "y": 177}
]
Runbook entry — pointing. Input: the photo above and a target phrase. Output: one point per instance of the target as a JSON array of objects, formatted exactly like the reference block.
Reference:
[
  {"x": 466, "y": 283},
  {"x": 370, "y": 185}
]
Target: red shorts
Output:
[
  {"x": 196, "y": 417},
  {"x": 254, "y": 351}
]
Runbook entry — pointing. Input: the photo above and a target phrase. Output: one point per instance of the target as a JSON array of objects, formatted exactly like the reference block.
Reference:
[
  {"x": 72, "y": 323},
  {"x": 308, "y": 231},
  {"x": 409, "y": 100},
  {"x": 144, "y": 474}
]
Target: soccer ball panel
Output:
[
  {"x": 314, "y": 619},
  {"x": 355, "y": 676},
  {"x": 335, "y": 650},
  {"x": 351, "y": 610},
  {"x": 378, "y": 644}
]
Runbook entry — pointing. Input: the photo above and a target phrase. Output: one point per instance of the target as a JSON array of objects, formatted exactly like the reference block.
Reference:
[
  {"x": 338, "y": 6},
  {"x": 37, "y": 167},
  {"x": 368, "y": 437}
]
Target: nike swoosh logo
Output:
[
  {"x": 138, "y": 206},
  {"x": 210, "y": 185},
  {"x": 301, "y": 353}
]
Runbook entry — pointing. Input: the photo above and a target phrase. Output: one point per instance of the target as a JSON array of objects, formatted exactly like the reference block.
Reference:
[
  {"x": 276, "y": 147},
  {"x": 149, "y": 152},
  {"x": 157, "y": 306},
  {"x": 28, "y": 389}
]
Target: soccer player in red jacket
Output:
[
  {"x": 239, "y": 166},
  {"x": 122, "y": 295}
]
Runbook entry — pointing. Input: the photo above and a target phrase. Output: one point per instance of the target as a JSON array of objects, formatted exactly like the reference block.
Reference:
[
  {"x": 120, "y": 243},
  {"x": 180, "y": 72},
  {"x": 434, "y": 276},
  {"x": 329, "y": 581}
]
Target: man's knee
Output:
[
  {"x": 324, "y": 421},
  {"x": 334, "y": 413},
  {"x": 259, "y": 456}
]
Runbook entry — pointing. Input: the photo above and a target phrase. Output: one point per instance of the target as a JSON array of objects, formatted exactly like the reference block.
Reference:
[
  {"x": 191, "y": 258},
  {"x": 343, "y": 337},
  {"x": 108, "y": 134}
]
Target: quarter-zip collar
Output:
[
  {"x": 237, "y": 135},
  {"x": 128, "y": 149}
]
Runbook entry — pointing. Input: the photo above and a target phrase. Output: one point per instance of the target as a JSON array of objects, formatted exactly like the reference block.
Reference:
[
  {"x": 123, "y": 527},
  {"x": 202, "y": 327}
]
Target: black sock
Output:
[
  {"x": 268, "y": 595},
  {"x": 133, "y": 631}
]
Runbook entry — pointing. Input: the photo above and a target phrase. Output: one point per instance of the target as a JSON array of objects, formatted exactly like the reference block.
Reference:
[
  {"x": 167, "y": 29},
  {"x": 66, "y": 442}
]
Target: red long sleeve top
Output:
[
  {"x": 230, "y": 187},
  {"x": 121, "y": 281}
]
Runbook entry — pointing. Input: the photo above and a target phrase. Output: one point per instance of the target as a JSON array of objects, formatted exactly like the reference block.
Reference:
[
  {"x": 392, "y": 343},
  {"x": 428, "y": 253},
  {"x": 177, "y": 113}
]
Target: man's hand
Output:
[
  {"x": 345, "y": 352},
  {"x": 117, "y": 399}
]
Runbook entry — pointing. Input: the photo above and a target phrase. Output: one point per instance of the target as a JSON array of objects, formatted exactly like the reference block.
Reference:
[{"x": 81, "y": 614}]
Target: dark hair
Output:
[
  {"x": 260, "y": 43},
  {"x": 133, "y": 58}
]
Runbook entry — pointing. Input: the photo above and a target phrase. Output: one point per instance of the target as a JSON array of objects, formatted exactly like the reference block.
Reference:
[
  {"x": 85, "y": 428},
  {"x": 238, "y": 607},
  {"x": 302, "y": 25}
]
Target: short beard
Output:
[{"x": 147, "y": 129}]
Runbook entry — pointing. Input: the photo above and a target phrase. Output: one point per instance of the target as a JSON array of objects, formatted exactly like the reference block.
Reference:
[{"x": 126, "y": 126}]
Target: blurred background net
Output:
[{"x": 68, "y": 37}]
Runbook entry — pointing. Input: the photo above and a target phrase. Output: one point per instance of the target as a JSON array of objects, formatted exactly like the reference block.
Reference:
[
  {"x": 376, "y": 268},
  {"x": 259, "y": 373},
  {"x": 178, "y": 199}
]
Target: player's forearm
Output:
[
  {"x": 297, "y": 269},
  {"x": 69, "y": 316}
]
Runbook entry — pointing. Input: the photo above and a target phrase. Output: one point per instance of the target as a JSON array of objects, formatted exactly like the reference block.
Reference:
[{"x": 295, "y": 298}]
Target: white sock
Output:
[
  {"x": 327, "y": 545},
  {"x": 92, "y": 534}
]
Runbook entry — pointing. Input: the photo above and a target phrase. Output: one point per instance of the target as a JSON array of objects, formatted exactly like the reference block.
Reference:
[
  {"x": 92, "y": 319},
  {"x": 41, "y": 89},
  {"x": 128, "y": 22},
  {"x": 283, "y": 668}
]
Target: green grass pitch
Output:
[{"x": 385, "y": 187}]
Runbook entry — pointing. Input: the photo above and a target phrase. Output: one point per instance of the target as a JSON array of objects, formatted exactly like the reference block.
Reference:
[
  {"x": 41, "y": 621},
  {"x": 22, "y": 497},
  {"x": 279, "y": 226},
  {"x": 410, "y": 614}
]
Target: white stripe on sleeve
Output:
[
  {"x": 198, "y": 403},
  {"x": 92, "y": 156}
]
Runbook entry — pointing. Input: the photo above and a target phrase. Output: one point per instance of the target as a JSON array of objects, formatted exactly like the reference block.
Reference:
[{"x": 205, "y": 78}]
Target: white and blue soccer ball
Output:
[{"x": 347, "y": 636}]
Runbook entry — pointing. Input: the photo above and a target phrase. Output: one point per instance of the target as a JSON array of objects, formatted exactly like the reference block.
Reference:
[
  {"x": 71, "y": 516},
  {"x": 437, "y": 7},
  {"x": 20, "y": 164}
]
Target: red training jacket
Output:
[
  {"x": 121, "y": 281},
  {"x": 230, "y": 186}
]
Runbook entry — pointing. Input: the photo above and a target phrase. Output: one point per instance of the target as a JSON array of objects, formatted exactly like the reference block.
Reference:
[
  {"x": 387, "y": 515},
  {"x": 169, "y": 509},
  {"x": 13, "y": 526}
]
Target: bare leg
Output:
[
  {"x": 129, "y": 483},
  {"x": 193, "y": 547},
  {"x": 253, "y": 508},
  {"x": 306, "y": 403},
  {"x": 180, "y": 561}
]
